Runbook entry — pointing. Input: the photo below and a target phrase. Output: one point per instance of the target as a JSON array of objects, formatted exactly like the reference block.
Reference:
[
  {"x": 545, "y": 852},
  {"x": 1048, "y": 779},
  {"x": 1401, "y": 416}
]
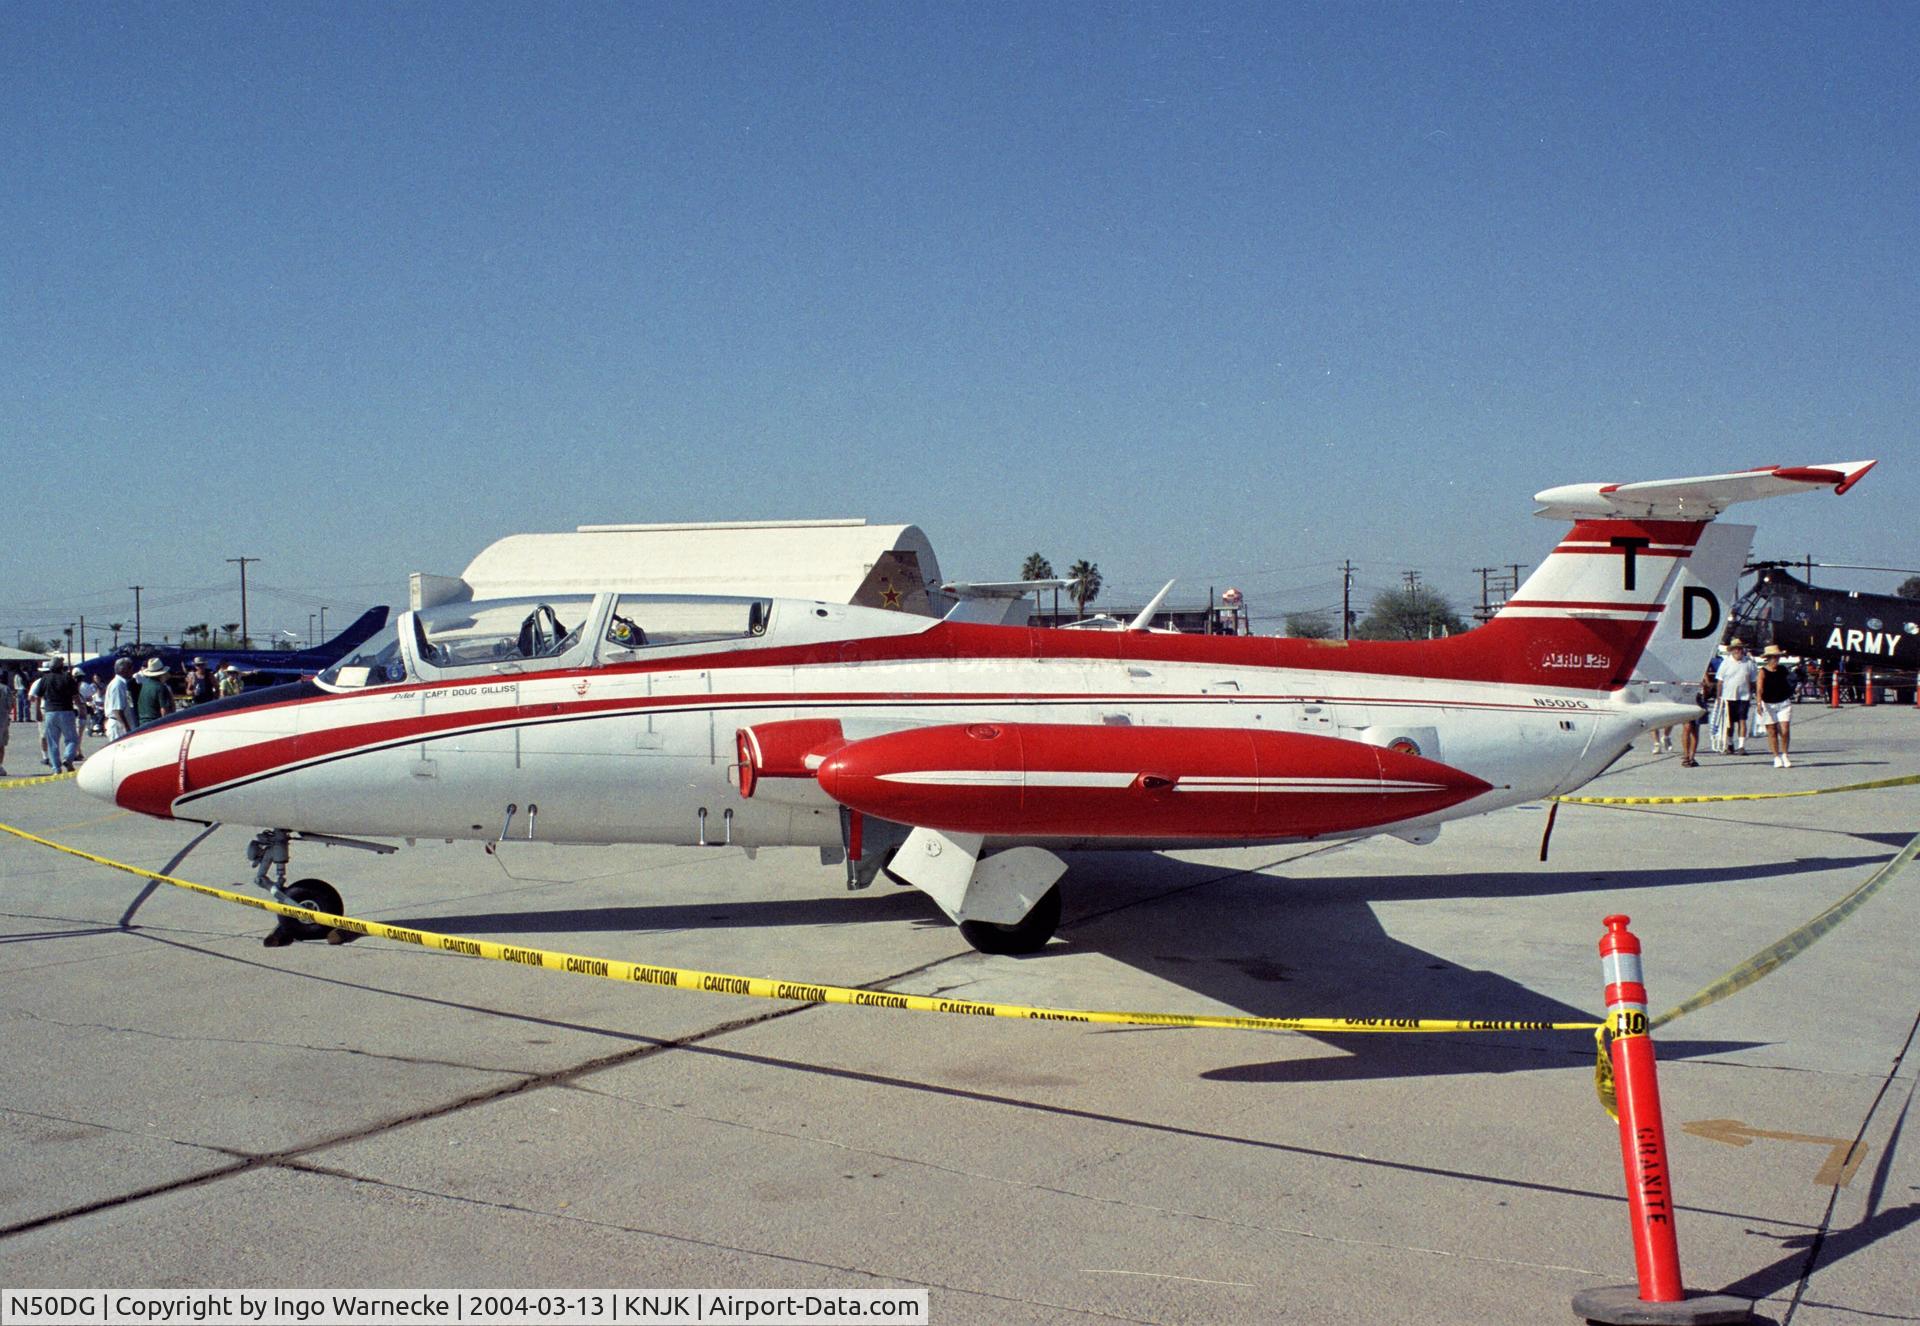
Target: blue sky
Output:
[{"x": 1225, "y": 292}]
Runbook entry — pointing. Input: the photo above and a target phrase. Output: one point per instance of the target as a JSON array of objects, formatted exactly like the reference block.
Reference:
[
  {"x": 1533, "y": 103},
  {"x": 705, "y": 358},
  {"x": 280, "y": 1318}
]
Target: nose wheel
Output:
[
  {"x": 315, "y": 895},
  {"x": 268, "y": 853}
]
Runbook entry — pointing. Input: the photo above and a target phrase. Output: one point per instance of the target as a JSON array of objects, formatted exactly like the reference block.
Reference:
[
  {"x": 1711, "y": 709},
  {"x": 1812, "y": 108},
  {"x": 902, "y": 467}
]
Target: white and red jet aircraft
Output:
[{"x": 960, "y": 756}]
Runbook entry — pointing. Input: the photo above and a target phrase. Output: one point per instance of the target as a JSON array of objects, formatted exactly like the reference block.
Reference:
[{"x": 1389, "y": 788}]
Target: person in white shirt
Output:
[
  {"x": 120, "y": 701},
  {"x": 1737, "y": 676}
]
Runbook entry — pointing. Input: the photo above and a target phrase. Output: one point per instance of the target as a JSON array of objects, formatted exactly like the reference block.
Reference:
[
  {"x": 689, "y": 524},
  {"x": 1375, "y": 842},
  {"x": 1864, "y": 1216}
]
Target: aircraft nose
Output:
[{"x": 96, "y": 775}]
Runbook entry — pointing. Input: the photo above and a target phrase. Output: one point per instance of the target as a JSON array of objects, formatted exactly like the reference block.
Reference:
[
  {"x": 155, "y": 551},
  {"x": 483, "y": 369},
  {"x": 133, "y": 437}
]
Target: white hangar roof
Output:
[{"x": 837, "y": 561}]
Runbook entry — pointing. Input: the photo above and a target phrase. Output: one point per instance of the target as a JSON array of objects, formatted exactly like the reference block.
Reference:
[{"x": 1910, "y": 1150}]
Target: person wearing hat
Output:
[
  {"x": 1776, "y": 688},
  {"x": 120, "y": 714},
  {"x": 228, "y": 680},
  {"x": 154, "y": 701},
  {"x": 58, "y": 692},
  {"x": 1736, "y": 676}
]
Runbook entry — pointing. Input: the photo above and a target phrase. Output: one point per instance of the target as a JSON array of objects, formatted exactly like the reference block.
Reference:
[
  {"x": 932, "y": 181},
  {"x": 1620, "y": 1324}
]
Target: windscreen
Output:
[{"x": 376, "y": 662}]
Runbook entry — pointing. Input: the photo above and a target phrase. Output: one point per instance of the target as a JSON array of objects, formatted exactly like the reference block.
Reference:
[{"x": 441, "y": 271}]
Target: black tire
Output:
[
  {"x": 319, "y": 895},
  {"x": 1027, "y": 935}
]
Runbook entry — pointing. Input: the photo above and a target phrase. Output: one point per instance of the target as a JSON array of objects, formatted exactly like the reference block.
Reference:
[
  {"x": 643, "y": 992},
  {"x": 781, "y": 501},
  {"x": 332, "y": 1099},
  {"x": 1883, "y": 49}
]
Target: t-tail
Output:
[{"x": 1641, "y": 585}]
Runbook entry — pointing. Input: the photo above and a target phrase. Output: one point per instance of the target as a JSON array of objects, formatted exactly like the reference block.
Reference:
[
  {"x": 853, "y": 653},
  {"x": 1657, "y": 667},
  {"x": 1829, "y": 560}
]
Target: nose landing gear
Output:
[{"x": 268, "y": 854}]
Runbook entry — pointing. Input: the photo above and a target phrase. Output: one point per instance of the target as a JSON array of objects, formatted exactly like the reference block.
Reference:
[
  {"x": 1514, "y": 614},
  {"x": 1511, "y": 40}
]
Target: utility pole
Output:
[
  {"x": 1346, "y": 599},
  {"x": 1413, "y": 583},
  {"x": 83, "y": 635},
  {"x": 1516, "y": 568},
  {"x": 323, "y": 623},
  {"x": 1486, "y": 602},
  {"x": 309, "y": 630},
  {"x": 243, "y": 596},
  {"x": 136, "y": 611}
]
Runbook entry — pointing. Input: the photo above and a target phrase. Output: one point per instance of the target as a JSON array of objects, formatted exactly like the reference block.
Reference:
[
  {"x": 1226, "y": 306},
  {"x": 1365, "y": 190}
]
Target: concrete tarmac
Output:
[{"x": 180, "y": 1106}]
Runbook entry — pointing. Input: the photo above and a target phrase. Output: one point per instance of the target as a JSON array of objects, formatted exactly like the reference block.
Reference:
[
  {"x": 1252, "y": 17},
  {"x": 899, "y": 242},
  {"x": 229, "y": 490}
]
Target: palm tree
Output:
[
  {"x": 1086, "y": 583},
  {"x": 1037, "y": 567},
  {"x": 115, "y": 628},
  {"x": 232, "y": 630}
]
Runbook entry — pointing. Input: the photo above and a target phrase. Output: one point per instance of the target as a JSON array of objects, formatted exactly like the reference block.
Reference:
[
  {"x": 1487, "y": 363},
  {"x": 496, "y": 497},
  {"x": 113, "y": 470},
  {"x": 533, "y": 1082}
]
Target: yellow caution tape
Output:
[
  {"x": 804, "y": 992},
  {"x": 35, "y": 782},
  {"x": 1764, "y": 963},
  {"x": 1908, "y": 781}
]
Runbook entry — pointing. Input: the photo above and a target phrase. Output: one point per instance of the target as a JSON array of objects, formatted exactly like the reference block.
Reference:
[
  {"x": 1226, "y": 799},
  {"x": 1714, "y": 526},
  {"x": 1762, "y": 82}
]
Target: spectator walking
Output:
[
  {"x": 1776, "y": 690},
  {"x": 6, "y": 718},
  {"x": 1690, "y": 731},
  {"x": 154, "y": 701},
  {"x": 35, "y": 714},
  {"x": 1736, "y": 677},
  {"x": 58, "y": 692}
]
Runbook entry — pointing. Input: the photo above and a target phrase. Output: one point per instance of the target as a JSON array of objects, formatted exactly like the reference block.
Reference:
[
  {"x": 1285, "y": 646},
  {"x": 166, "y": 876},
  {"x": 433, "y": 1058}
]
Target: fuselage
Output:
[{"x": 618, "y": 735}]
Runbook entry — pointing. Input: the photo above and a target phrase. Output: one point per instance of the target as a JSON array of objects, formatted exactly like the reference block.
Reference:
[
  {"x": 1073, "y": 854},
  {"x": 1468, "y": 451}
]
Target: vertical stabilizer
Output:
[
  {"x": 1698, "y": 607},
  {"x": 1640, "y": 585}
]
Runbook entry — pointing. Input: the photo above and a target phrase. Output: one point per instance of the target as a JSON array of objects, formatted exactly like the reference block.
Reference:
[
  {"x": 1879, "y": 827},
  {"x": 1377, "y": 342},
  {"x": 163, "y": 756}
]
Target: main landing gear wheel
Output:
[
  {"x": 1027, "y": 935},
  {"x": 320, "y": 896}
]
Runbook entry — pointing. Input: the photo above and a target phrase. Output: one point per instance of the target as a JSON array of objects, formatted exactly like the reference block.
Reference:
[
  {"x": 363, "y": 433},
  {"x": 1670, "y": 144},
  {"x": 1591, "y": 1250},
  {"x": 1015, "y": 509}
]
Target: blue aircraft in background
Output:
[{"x": 258, "y": 667}]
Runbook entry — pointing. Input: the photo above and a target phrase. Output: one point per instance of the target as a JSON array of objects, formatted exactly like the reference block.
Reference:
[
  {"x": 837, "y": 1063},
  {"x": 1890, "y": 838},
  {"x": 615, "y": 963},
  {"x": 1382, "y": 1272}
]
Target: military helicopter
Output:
[{"x": 1833, "y": 626}]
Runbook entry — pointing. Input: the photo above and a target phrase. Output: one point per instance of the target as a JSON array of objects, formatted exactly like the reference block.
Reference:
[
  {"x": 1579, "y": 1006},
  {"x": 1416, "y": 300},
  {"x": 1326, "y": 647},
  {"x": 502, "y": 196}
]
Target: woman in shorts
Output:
[{"x": 1774, "y": 690}]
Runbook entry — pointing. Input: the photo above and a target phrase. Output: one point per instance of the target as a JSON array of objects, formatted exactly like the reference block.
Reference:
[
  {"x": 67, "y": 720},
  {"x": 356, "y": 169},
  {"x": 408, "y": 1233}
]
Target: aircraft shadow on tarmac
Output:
[
  {"x": 1260, "y": 943},
  {"x": 1315, "y": 947}
]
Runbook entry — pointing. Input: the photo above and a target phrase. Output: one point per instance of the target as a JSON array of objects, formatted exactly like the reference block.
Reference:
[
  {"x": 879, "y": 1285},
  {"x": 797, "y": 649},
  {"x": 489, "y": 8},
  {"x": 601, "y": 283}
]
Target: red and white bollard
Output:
[
  {"x": 1833, "y": 700},
  {"x": 1866, "y": 696},
  {"x": 1659, "y": 1296}
]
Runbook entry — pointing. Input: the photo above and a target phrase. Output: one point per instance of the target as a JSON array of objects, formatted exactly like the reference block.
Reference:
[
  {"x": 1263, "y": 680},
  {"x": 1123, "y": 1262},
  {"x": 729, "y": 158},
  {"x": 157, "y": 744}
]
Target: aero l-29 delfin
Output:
[{"x": 957, "y": 756}]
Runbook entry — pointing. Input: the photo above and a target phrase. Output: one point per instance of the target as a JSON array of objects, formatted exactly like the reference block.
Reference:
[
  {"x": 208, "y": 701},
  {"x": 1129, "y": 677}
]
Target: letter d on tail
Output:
[{"x": 1699, "y": 612}]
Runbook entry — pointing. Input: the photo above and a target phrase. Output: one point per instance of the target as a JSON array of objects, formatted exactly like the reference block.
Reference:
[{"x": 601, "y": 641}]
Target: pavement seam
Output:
[
  {"x": 116, "y": 1131},
  {"x": 1811, "y": 1263},
  {"x": 327, "y": 1171},
  {"x": 1178, "y": 1213},
  {"x": 1201, "y": 1135},
  {"x": 270, "y": 1044}
]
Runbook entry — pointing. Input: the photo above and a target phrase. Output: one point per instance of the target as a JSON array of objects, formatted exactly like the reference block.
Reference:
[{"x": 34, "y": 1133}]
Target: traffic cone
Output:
[{"x": 1658, "y": 1297}]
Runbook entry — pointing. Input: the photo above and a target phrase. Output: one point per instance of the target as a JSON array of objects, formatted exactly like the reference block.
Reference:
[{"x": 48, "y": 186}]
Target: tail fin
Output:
[
  {"x": 362, "y": 629},
  {"x": 1641, "y": 584},
  {"x": 1698, "y": 606},
  {"x": 1584, "y": 618}
]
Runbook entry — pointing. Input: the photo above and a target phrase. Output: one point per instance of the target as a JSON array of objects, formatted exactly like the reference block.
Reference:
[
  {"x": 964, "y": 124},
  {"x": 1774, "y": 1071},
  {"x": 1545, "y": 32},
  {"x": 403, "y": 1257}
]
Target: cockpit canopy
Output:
[{"x": 467, "y": 637}]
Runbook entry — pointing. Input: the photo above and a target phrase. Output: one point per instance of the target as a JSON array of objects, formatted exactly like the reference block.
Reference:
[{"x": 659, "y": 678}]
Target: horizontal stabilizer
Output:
[{"x": 1700, "y": 498}]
